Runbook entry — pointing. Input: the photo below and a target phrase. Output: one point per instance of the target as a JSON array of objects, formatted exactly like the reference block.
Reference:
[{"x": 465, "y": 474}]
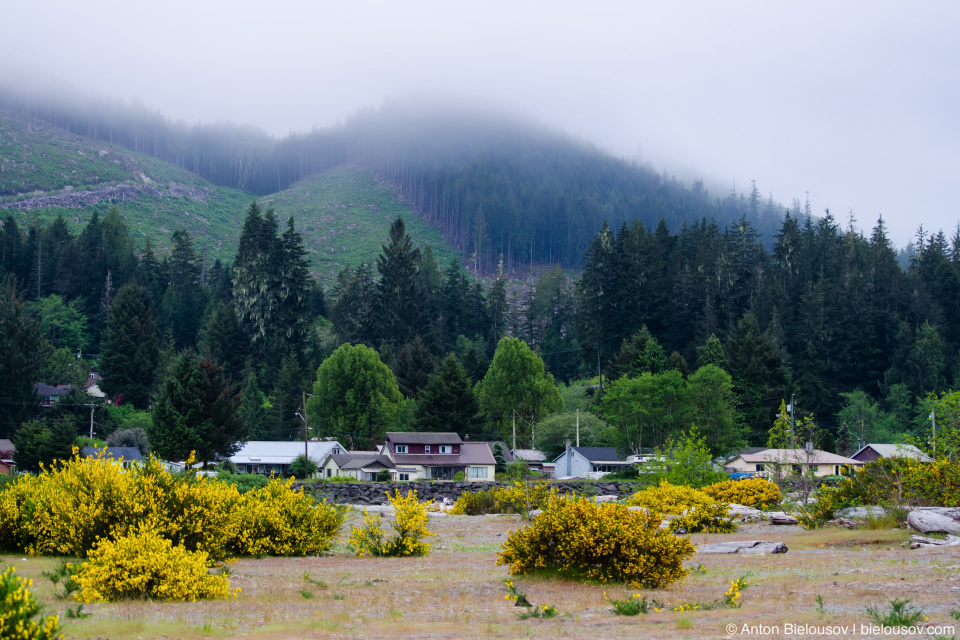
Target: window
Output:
[
  {"x": 798, "y": 469},
  {"x": 759, "y": 467},
  {"x": 426, "y": 448},
  {"x": 399, "y": 448},
  {"x": 445, "y": 448},
  {"x": 403, "y": 476},
  {"x": 329, "y": 473},
  {"x": 476, "y": 472}
]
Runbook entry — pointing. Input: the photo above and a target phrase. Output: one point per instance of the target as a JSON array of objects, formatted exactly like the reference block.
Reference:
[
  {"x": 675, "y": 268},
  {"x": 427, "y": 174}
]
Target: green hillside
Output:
[
  {"x": 46, "y": 171},
  {"x": 345, "y": 216}
]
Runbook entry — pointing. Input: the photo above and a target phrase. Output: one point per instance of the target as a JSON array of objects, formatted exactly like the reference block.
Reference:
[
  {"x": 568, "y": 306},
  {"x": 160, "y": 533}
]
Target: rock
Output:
[
  {"x": 843, "y": 522},
  {"x": 533, "y": 513},
  {"x": 782, "y": 518},
  {"x": 448, "y": 502},
  {"x": 602, "y": 499},
  {"x": 935, "y": 520},
  {"x": 860, "y": 512},
  {"x": 636, "y": 509},
  {"x": 748, "y": 546},
  {"x": 919, "y": 542},
  {"x": 743, "y": 513}
]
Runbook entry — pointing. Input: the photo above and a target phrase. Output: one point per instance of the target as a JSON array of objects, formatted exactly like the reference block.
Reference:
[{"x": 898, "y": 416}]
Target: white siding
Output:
[{"x": 579, "y": 466}]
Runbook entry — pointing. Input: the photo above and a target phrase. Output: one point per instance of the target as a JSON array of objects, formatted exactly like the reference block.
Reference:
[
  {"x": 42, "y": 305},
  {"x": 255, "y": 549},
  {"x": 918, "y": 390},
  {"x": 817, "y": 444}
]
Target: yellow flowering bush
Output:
[
  {"x": 147, "y": 565},
  {"x": 670, "y": 498},
  {"x": 369, "y": 538},
  {"x": 18, "y": 608},
  {"x": 512, "y": 499},
  {"x": 275, "y": 520},
  {"x": 752, "y": 492},
  {"x": 712, "y": 519},
  {"x": 603, "y": 542}
]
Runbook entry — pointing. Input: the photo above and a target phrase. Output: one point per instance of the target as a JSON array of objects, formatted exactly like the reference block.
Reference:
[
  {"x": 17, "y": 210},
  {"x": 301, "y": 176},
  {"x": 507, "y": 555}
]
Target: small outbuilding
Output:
[
  {"x": 872, "y": 452},
  {"x": 577, "y": 462}
]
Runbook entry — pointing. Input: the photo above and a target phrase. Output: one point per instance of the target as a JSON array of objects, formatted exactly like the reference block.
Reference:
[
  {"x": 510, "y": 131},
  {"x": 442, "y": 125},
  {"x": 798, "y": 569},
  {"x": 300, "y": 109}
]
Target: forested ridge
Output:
[{"x": 493, "y": 184}]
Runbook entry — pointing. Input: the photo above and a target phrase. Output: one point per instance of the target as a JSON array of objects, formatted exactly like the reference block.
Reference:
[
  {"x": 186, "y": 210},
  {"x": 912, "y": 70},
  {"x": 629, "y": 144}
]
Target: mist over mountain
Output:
[{"x": 494, "y": 183}]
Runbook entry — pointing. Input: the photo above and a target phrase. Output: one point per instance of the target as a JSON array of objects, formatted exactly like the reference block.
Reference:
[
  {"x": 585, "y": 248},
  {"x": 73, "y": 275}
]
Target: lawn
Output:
[{"x": 458, "y": 591}]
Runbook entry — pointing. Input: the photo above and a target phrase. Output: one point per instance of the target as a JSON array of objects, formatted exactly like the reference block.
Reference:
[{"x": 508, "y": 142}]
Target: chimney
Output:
[{"x": 569, "y": 459}]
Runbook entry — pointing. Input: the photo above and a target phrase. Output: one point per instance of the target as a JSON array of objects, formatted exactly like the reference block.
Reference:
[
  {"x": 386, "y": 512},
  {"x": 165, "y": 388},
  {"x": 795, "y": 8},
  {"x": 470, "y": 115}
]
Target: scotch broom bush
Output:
[
  {"x": 369, "y": 538},
  {"x": 695, "y": 510},
  {"x": 752, "y": 492},
  {"x": 147, "y": 565},
  {"x": 20, "y": 613},
  {"x": 603, "y": 542},
  {"x": 512, "y": 499}
]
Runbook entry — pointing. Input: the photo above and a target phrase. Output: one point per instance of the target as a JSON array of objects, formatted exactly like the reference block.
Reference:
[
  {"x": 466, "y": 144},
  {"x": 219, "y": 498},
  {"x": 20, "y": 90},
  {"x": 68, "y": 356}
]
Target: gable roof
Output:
[
  {"x": 283, "y": 452},
  {"x": 529, "y": 455},
  {"x": 596, "y": 454},
  {"x": 130, "y": 454},
  {"x": 6, "y": 446},
  {"x": 361, "y": 461},
  {"x": 44, "y": 389},
  {"x": 797, "y": 456},
  {"x": 404, "y": 437},
  {"x": 890, "y": 451},
  {"x": 476, "y": 453}
]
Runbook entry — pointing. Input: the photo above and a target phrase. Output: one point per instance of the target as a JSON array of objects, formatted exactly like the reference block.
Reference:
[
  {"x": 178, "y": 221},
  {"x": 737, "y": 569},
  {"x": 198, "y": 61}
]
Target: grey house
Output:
[{"x": 584, "y": 460}]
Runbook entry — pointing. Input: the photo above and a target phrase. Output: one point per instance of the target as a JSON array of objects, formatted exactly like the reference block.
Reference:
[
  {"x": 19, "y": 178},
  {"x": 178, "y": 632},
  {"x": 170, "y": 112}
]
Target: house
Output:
[
  {"x": 7, "y": 465},
  {"x": 129, "y": 456},
  {"x": 873, "y": 452},
  {"x": 799, "y": 460},
  {"x": 49, "y": 395},
  {"x": 266, "y": 456},
  {"x": 92, "y": 385},
  {"x": 534, "y": 458},
  {"x": 361, "y": 465},
  {"x": 438, "y": 456},
  {"x": 577, "y": 462}
]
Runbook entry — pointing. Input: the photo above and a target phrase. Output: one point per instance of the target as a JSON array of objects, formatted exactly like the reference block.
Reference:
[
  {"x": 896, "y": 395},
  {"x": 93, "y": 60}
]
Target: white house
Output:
[
  {"x": 798, "y": 460},
  {"x": 360, "y": 465},
  {"x": 266, "y": 456}
]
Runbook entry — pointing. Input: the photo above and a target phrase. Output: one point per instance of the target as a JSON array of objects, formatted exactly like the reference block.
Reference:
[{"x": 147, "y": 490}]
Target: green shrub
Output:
[
  {"x": 517, "y": 498},
  {"x": 244, "y": 482}
]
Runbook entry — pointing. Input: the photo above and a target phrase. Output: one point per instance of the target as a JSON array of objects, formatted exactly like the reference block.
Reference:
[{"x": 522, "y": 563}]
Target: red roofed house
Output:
[{"x": 438, "y": 456}]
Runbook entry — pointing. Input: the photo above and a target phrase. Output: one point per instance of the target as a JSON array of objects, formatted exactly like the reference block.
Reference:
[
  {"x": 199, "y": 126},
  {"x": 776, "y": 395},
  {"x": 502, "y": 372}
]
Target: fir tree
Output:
[
  {"x": 294, "y": 294},
  {"x": 61, "y": 439},
  {"x": 195, "y": 412},
  {"x": 220, "y": 340},
  {"x": 30, "y": 446},
  {"x": 256, "y": 280},
  {"x": 412, "y": 366},
  {"x": 712, "y": 353},
  {"x": 254, "y": 407},
  {"x": 448, "y": 402},
  {"x": 779, "y": 436},
  {"x": 130, "y": 349},
  {"x": 287, "y": 401},
  {"x": 396, "y": 290}
]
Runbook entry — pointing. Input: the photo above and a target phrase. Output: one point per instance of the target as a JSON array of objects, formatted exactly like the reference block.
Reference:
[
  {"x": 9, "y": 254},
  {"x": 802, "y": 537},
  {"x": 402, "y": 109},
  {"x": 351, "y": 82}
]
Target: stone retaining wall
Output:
[{"x": 376, "y": 492}]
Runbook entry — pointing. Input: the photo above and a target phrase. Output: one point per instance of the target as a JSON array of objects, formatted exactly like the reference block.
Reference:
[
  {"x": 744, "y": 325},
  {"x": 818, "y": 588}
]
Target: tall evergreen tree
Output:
[
  {"x": 256, "y": 277},
  {"x": 287, "y": 401},
  {"x": 396, "y": 290},
  {"x": 412, "y": 366},
  {"x": 220, "y": 340},
  {"x": 253, "y": 409},
  {"x": 295, "y": 289},
  {"x": 22, "y": 354},
  {"x": 448, "y": 402},
  {"x": 130, "y": 351}
]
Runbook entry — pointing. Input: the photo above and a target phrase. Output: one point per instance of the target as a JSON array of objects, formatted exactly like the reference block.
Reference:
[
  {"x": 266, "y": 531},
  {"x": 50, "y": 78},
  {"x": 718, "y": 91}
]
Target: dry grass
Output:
[{"x": 458, "y": 592}]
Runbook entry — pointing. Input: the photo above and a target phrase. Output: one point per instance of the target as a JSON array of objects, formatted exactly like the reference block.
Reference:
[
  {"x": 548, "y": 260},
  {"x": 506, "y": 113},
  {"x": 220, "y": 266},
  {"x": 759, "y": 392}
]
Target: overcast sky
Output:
[{"x": 853, "y": 102}]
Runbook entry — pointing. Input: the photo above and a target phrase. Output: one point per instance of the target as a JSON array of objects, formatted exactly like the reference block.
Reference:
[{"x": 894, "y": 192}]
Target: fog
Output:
[{"x": 854, "y": 103}]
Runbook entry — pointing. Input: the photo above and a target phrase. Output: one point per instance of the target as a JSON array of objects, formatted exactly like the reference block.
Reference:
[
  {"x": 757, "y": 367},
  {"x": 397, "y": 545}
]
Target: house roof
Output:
[
  {"x": 130, "y": 454},
  {"x": 797, "y": 456},
  {"x": 429, "y": 459},
  {"x": 529, "y": 455},
  {"x": 596, "y": 454},
  {"x": 476, "y": 453},
  {"x": 283, "y": 452},
  {"x": 45, "y": 389},
  {"x": 6, "y": 445},
  {"x": 361, "y": 461},
  {"x": 402, "y": 437},
  {"x": 886, "y": 451}
]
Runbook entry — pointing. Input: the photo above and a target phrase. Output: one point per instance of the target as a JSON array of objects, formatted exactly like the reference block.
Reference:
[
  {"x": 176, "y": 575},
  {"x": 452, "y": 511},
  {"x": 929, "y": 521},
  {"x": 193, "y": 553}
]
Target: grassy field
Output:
[
  {"x": 458, "y": 592},
  {"x": 344, "y": 213}
]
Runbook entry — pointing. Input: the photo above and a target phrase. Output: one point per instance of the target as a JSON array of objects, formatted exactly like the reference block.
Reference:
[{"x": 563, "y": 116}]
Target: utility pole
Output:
[
  {"x": 514, "y": 429},
  {"x": 91, "y": 419},
  {"x": 793, "y": 425},
  {"x": 578, "y": 427},
  {"x": 933, "y": 418},
  {"x": 306, "y": 432}
]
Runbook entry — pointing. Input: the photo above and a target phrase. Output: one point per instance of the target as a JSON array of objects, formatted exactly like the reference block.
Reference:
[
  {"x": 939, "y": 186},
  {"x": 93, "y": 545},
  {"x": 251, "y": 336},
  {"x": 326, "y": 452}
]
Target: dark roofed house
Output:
[
  {"x": 872, "y": 452},
  {"x": 128, "y": 455},
  {"x": 438, "y": 456},
  {"x": 580, "y": 461},
  {"x": 49, "y": 395}
]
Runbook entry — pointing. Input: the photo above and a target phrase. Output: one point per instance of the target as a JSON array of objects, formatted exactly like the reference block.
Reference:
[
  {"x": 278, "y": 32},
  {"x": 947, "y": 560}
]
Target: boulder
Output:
[
  {"x": 920, "y": 542},
  {"x": 860, "y": 512},
  {"x": 746, "y": 546},
  {"x": 935, "y": 520},
  {"x": 843, "y": 522},
  {"x": 782, "y": 518},
  {"x": 602, "y": 499},
  {"x": 533, "y": 513},
  {"x": 736, "y": 511}
]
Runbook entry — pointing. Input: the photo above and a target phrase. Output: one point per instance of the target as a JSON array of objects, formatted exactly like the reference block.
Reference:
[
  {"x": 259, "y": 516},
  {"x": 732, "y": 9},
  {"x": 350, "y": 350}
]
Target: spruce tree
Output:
[
  {"x": 287, "y": 401},
  {"x": 220, "y": 340},
  {"x": 779, "y": 436},
  {"x": 256, "y": 277},
  {"x": 130, "y": 351},
  {"x": 447, "y": 402},
  {"x": 759, "y": 374},
  {"x": 254, "y": 407},
  {"x": 712, "y": 353},
  {"x": 22, "y": 355},
  {"x": 294, "y": 294},
  {"x": 30, "y": 446},
  {"x": 412, "y": 366},
  {"x": 61, "y": 439},
  {"x": 184, "y": 274}
]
